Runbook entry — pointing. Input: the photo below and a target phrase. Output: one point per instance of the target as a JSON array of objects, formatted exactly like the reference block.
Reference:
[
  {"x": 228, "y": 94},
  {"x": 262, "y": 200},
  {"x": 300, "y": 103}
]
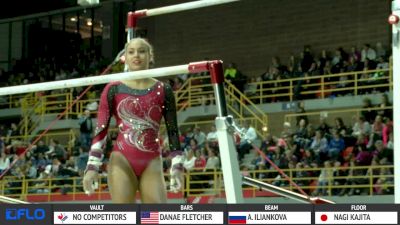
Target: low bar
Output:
[
  {"x": 285, "y": 193},
  {"x": 94, "y": 80}
]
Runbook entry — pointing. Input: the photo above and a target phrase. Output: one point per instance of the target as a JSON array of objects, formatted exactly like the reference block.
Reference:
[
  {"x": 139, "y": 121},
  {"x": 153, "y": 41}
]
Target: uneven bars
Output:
[
  {"x": 180, "y": 7},
  {"x": 194, "y": 67},
  {"x": 283, "y": 192},
  {"x": 11, "y": 200}
]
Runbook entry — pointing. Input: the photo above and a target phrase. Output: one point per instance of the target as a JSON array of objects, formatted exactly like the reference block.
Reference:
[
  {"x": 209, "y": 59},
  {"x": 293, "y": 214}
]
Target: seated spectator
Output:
[
  {"x": 249, "y": 137},
  {"x": 200, "y": 161},
  {"x": 308, "y": 158},
  {"x": 258, "y": 160},
  {"x": 340, "y": 127},
  {"x": 40, "y": 148},
  {"x": 41, "y": 162},
  {"x": 368, "y": 53},
  {"x": 361, "y": 126},
  {"x": 188, "y": 136},
  {"x": 363, "y": 157},
  {"x": 319, "y": 146},
  {"x": 212, "y": 137},
  {"x": 251, "y": 87},
  {"x": 192, "y": 146},
  {"x": 82, "y": 159},
  {"x": 335, "y": 146},
  {"x": 190, "y": 159},
  {"x": 382, "y": 154},
  {"x": 200, "y": 137},
  {"x": 324, "y": 126},
  {"x": 390, "y": 144},
  {"x": 324, "y": 179},
  {"x": 387, "y": 130},
  {"x": 355, "y": 53},
  {"x": 388, "y": 113},
  {"x": 268, "y": 144},
  {"x": 4, "y": 161},
  {"x": 301, "y": 131},
  {"x": 377, "y": 130},
  {"x": 310, "y": 133},
  {"x": 31, "y": 170},
  {"x": 213, "y": 162}
]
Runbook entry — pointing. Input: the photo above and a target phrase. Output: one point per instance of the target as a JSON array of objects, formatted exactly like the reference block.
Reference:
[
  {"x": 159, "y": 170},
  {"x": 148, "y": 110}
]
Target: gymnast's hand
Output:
[
  {"x": 88, "y": 181},
  {"x": 176, "y": 173}
]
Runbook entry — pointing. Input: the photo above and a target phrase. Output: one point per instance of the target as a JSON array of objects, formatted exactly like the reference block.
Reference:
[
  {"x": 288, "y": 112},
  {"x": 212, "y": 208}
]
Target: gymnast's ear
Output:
[{"x": 151, "y": 62}]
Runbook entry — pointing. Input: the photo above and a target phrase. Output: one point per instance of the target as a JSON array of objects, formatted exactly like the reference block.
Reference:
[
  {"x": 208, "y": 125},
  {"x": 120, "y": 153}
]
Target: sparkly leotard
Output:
[{"x": 138, "y": 114}]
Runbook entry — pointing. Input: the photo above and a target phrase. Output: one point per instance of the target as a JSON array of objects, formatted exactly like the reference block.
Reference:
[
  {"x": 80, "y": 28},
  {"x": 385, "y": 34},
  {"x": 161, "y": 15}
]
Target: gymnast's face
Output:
[{"x": 137, "y": 55}]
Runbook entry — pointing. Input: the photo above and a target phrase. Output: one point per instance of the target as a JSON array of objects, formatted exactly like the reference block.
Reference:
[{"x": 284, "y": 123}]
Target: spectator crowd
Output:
[{"x": 368, "y": 141}]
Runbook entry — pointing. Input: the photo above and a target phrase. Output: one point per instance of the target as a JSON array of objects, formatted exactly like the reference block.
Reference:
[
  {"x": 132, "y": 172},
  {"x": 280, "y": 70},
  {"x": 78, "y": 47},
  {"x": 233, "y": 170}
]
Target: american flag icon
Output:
[{"x": 149, "y": 217}]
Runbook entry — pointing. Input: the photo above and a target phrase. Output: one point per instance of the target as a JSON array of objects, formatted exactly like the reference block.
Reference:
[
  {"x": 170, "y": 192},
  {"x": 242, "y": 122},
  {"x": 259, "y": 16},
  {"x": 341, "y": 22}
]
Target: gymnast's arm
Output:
[
  {"x": 171, "y": 121},
  {"x": 103, "y": 121}
]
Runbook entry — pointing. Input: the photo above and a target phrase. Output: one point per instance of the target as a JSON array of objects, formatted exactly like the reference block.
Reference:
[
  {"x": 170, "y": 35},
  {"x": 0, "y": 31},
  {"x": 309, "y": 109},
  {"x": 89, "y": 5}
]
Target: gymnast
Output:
[{"x": 138, "y": 106}]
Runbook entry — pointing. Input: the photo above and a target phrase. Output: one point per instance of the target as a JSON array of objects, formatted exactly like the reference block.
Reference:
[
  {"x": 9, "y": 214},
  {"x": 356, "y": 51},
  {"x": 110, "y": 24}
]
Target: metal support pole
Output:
[
  {"x": 230, "y": 164},
  {"x": 394, "y": 20}
]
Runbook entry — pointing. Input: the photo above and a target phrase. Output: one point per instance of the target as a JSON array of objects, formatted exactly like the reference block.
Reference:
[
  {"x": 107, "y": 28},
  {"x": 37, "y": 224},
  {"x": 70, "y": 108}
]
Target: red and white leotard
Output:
[{"x": 138, "y": 114}]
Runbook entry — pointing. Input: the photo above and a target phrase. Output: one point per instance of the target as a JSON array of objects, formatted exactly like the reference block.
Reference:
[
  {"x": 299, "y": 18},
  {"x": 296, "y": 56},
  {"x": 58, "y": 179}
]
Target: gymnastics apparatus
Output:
[{"x": 224, "y": 123}]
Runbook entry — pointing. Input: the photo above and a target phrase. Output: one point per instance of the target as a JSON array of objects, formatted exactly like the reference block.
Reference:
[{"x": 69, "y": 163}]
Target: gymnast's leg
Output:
[
  {"x": 152, "y": 184},
  {"x": 122, "y": 182}
]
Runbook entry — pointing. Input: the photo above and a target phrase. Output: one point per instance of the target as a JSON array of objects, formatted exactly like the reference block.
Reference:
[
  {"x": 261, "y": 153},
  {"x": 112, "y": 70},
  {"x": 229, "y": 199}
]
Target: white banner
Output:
[
  {"x": 270, "y": 217},
  {"x": 94, "y": 217},
  {"x": 356, "y": 217},
  {"x": 153, "y": 217}
]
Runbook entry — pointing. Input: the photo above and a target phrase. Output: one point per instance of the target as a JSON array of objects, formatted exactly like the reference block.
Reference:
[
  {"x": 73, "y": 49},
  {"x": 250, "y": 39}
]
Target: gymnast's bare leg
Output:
[
  {"x": 122, "y": 182},
  {"x": 152, "y": 186}
]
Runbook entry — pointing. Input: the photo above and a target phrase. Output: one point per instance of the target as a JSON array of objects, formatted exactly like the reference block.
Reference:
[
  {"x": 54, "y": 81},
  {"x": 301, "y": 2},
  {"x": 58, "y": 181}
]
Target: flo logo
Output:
[
  {"x": 62, "y": 217},
  {"x": 25, "y": 213}
]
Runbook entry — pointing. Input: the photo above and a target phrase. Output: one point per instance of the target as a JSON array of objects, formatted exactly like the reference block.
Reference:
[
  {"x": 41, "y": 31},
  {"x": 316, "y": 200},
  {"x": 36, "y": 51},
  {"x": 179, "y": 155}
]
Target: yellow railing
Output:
[
  {"x": 330, "y": 115},
  {"x": 69, "y": 137},
  {"x": 198, "y": 91},
  {"x": 354, "y": 83},
  {"x": 192, "y": 93},
  {"x": 13, "y": 101},
  {"x": 370, "y": 179}
]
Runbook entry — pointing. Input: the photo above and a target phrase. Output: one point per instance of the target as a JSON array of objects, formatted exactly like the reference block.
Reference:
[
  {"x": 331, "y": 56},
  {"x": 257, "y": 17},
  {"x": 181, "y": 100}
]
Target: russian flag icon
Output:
[{"x": 237, "y": 219}]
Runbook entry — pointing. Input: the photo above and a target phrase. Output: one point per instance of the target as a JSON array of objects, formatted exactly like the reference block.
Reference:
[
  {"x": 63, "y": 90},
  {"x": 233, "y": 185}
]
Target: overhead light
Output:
[
  {"x": 73, "y": 19},
  {"x": 89, "y": 23}
]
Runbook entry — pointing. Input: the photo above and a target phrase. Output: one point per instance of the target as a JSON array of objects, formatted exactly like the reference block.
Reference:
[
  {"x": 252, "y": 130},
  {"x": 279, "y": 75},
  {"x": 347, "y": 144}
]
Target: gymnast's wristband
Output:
[{"x": 94, "y": 161}]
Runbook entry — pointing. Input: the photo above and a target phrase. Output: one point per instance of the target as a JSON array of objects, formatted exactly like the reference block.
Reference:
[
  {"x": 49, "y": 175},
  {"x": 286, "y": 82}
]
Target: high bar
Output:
[
  {"x": 180, "y": 7},
  {"x": 193, "y": 67}
]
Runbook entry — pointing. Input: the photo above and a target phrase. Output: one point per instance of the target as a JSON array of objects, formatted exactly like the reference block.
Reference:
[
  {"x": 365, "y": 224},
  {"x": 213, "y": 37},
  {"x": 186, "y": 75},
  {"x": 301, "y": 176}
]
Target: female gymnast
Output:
[{"x": 138, "y": 106}]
